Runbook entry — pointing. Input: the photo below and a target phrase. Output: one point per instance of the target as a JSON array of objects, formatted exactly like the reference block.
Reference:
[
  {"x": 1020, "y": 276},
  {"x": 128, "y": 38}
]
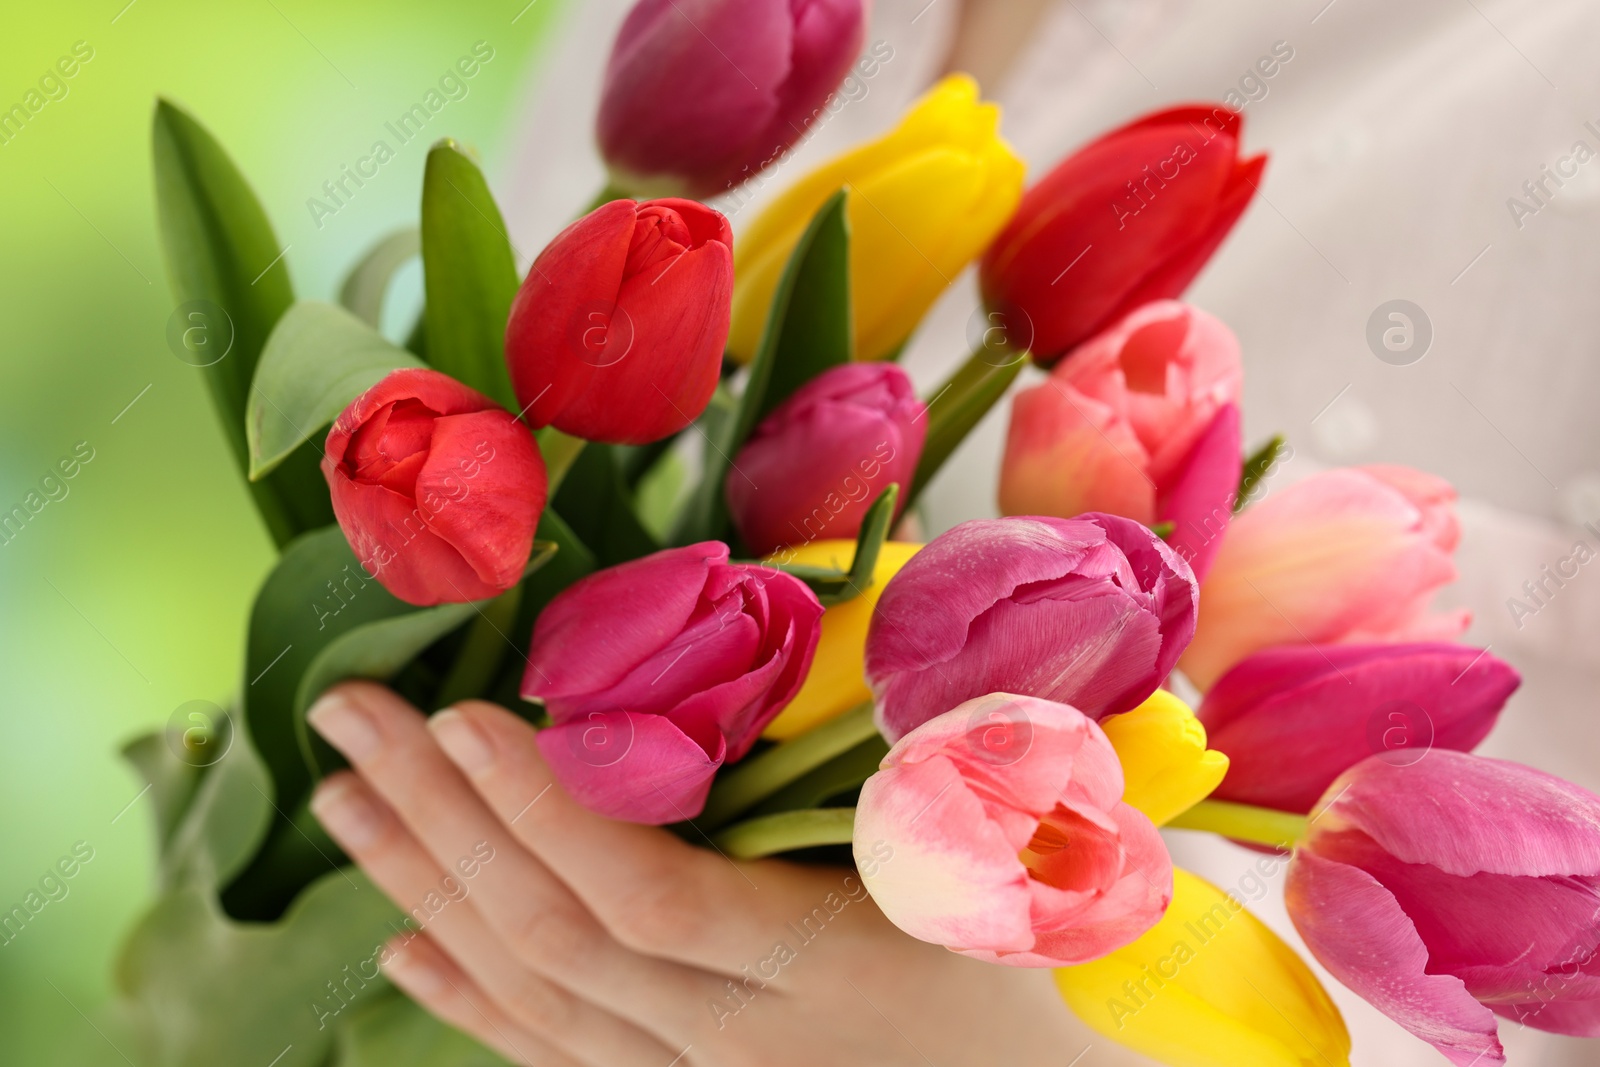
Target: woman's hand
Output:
[{"x": 559, "y": 937}]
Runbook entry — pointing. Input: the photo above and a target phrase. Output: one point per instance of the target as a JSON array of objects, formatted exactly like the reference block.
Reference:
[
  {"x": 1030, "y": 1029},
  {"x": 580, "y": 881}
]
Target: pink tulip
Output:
[
  {"x": 701, "y": 95},
  {"x": 998, "y": 830},
  {"x": 1092, "y": 611},
  {"x": 1454, "y": 889},
  {"x": 657, "y": 671},
  {"x": 1116, "y": 428},
  {"x": 1353, "y": 554},
  {"x": 814, "y": 466},
  {"x": 1292, "y": 719}
]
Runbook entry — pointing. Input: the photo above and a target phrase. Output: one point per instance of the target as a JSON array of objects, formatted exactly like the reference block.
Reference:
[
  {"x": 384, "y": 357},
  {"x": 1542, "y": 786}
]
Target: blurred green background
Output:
[{"x": 127, "y": 597}]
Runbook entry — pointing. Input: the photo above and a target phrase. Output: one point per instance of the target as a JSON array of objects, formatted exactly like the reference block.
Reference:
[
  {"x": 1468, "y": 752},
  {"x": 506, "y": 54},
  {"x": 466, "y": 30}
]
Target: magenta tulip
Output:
[
  {"x": 657, "y": 671},
  {"x": 1141, "y": 422},
  {"x": 814, "y": 466},
  {"x": 1092, "y": 611},
  {"x": 1454, "y": 889},
  {"x": 437, "y": 488},
  {"x": 1292, "y": 719},
  {"x": 701, "y": 95},
  {"x": 1347, "y": 555},
  {"x": 998, "y": 830}
]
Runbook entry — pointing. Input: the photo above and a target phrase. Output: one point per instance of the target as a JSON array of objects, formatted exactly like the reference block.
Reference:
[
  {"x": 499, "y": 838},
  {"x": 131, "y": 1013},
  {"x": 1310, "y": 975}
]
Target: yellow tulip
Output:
[
  {"x": 838, "y": 680},
  {"x": 1166, "y": 767},
  {"x": 1210, "y": 986},
  {"x": 922, "y": 202}
]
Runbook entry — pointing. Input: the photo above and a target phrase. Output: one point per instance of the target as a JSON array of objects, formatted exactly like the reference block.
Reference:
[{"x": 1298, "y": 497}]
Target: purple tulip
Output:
[
  {"x": 814, "y": 466},
  {"x": 700, "y": 95},
  {"x": 1454, "y": 889},
  {"x": 1294, "y": 718},
  {"x": 1091, "y": 612},
  {"x": 656, "y": 672}
]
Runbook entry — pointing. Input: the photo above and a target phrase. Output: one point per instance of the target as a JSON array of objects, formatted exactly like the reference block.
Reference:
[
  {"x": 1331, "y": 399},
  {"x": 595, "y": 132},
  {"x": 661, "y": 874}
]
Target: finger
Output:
[
  {"x": 543, "y": 923},
  {"x": 433, "y": 980},
  {"x": 440, "y": 903},
  {"x": 655, "y": 892}
]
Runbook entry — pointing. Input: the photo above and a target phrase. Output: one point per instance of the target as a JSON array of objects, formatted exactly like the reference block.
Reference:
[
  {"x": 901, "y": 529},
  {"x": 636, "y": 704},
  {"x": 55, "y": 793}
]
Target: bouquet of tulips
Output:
[{"x": 657, "y": 493}]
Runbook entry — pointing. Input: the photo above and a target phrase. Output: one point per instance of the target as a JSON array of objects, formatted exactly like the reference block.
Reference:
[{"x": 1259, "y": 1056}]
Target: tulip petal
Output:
[
  {"x": 1357, "y": 930},
  {"x": 640, "y": 768},
  {"x": 1580, "y": 1018},
  {"x": 1199, "y": 502}
]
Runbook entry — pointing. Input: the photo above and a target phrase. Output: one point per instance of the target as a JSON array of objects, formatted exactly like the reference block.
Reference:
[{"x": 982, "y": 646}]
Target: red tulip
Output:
[
  {"x": 1129, "y": 218},
  {"x": 437, "y": 488},
  {"x": 700, "y": 95},
  {"x": 617, "y": 332},
  {"x": 813, "y": 467}
]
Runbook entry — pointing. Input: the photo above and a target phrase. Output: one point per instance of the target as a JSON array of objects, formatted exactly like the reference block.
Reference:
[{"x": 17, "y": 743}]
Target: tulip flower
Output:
[
  {"x": 616, "y": 334},
  {"x": 657, "y": 671},
  {"x": 1292, "y": 719},
  {"x": 700, "y": 95},
  {"x": 1129, "y": 218},
  {"x": 837, "y": 681},
  {"x": 1210, "y": 986},
  {"x": 815, "y": 465},
  {"x": 1352, "y": 554},
  {"x": 1091, "y": 611},
  {"x": 1451, "y": 890},
  {"x": 1166, "y": 767},
  {"x": 1119, "y": 428},
  {"x": 437, "y": 488},
  {"x": 922, "y": 201},
  {"x": 1008, "y": 838}
]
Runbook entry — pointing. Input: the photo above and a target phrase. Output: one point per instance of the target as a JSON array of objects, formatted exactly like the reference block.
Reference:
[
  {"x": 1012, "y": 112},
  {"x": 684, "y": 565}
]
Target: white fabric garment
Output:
[{"x": 1401, "y": 137}]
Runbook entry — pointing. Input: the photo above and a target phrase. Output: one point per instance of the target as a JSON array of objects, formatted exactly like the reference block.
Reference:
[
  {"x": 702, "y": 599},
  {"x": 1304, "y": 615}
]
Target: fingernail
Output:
[
  {"x": 418, "y": 976},
  {"x": 463, "y": 742},
  {"x": 345, "y": 726},
  {"x": 346, "y": 813}
]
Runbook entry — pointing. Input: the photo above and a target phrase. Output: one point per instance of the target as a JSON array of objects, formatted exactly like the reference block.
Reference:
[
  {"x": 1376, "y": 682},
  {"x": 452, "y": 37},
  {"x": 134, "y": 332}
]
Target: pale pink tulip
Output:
[
  {"x": 1454, "y": 889},
  {"x": 998, "y": 830},
  {"x": 1353, "y": 554}
]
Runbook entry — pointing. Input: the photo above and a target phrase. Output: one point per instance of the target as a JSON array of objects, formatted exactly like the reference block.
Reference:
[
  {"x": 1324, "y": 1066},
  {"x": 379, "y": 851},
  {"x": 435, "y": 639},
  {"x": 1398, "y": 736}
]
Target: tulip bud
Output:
[
  {"x": 837, "y": 680},
  {"x": 657, "y": 671},
  {"x": 437, "y": 488},
  {"x": 701, "y": 95},
  {"x": 1129, "y": 218},
  {"x": 1093, "y": 611},
  {"x": 616, "y": 334},
  {"x": 1453, "y": 889},
  {"x": 1352, "y": 554},
  {"x": 814, "y": 466},
  {"x": 1332, "y": 706},
  {"x": 1119, "y": 428},
  {"x": 998, "y": 830},
  {"x": 1210, "y": 986},
  {"x": 1166, "y": 767},
  {"x": 921, "y": 201}
]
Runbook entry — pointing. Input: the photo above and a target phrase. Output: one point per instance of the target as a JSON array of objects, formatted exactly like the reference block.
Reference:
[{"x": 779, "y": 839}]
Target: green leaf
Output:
[
  {"x": 197, "y": 989},
  {"x": 318, "y": 359},
  {"x": 960, "y": 404},
  {"x": 392, "y": 1031},
  {"x": 807, "y": 331},
  {"x": 834, "y": 586},
  {"x": 368, "y": 282},
  {"x": 378, "y": 650},
  {"x": 172, "y": 781},
  {"x": 469, "y": 273},
  {"x": 596, "y": 503},
  {"x": 1255, "y": 469},
  {"x": 220, "y": 249}
]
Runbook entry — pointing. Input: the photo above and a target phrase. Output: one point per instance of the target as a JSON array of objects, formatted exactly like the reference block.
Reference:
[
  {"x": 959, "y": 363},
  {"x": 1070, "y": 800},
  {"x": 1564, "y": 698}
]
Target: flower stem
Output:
[
  {"x": 787, "y": 831},
  {"x": 479, "y": 659},
  {"x": 1244, "y": 822},
  {"x": 962, "y": 401},
  {"x": 559, "y": 451},
  {"x": 758, "y": 778}
]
